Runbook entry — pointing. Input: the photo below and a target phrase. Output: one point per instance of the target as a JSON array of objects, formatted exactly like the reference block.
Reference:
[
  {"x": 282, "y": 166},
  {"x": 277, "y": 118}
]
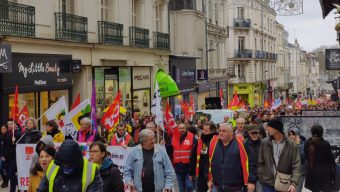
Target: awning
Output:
[{"x": 167, "y": 85}]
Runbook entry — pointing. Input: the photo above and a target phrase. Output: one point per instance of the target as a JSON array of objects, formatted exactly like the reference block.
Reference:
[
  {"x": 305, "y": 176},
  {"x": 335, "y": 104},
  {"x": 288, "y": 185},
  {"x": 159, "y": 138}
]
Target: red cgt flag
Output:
[
  {"x": 191, "y": 108},
  {"x": 23, "y": 115},
  {"x": 235, "y": 102},
  {"x": 111, "y": 117},
  {"x": 15, "y": 109},
  {"x": 170, "y": 123}
]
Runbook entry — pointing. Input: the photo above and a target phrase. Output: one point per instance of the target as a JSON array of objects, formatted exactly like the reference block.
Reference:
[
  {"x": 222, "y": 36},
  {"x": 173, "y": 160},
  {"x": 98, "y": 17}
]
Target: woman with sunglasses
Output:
[{"x": 109, "y": 172}]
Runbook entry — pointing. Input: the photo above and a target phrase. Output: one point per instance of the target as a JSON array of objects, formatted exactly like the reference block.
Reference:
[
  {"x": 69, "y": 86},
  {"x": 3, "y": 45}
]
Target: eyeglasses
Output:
[
  {"x": 254, "y": 132},
  {"x": 94, "y": 151}
]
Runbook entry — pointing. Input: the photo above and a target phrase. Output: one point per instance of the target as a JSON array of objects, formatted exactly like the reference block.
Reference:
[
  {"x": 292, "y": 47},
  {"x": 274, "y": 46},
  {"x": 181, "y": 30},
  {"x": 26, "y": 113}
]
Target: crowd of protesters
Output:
[{"x": 249, "y": 152}]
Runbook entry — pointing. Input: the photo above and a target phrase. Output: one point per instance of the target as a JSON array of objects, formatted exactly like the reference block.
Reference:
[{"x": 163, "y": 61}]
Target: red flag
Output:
[
  {"x": 15, "y": 109},
  {"x": 242, "y": 105},
  {"x": 23, "y": 115},
  {"x": 234, "y": 103},
  {"x": 170, "y": 123},
  {"x": 191, "y": 107},
  {"x": 221, "y": 98},
  {"x": 185, "y": 109},
  {"x": 111, "y": 117},
  {"x": 76, "y": 102}
]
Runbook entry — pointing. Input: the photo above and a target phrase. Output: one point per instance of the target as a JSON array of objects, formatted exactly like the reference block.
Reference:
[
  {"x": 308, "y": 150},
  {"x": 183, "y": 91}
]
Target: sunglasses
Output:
[{"x": 254, "y": 132}]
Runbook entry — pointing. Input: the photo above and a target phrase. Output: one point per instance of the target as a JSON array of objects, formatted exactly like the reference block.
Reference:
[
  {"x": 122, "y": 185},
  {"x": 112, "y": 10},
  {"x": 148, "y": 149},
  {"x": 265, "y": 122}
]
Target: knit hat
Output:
[
  {"x": 276, "y": 124},
  {"x": 252, "y": 128}
]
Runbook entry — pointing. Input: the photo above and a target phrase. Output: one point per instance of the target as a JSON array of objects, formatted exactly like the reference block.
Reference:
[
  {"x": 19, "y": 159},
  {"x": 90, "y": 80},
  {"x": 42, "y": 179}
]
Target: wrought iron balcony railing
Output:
[
  {"x": 161, "y": 41},
  {"x": 246, "y": 23},
  {"x": 243, "y": 53},
  {"x": 17, "y": 19},
  {"x": 70, "y": 27},
  {"x": 139, "y": 37},
  {"x": 110, "y": 33}
]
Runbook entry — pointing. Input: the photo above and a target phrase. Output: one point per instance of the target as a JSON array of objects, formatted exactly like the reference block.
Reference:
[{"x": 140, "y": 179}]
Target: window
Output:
[
  {"x": 67, "y": 6},
  {"x": 158, "y": 16},
  {"x": 134, "y": 12},
  {"x": 210, "y": 11},
  {"x": 240, "y": 12},
  {"x": 240, "y": 71},
  {"x": 216, "y": 13},
  {"x": 241, "y": 43},
  {"x": 104, "y": 10}
]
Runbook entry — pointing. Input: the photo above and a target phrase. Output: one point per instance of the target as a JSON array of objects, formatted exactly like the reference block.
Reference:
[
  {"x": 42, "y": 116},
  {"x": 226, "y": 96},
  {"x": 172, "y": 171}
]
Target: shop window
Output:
[
  {"x": 141, "y": 102},
  {"x": 125, "y": 86},
  {"x": 23, "y": 99}
]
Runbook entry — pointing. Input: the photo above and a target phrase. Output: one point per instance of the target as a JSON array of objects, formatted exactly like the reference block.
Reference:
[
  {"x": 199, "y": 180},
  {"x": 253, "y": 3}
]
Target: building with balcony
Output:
[
  {"x": 298, "y": 69},
  {"x": 252, "y": 52},
  {"x": 281, "y": 84},
  {"x": 60, "y": 48}
]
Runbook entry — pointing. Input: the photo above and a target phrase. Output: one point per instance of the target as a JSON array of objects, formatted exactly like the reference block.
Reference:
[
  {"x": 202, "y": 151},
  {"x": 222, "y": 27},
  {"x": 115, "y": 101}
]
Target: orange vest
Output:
[
  {"x": 243, "y": 157},
  {"x": 182, "y": 150},
  {"x": 198, "y": 152},
  {"x": 126, "y": 140}
]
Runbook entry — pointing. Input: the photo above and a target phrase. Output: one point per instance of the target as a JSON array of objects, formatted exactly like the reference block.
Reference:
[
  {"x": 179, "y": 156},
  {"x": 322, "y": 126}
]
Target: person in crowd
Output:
[
  {"x": 183, "y": 145},
  {"x": 254, "y": 142},
  {"x": 280, "y": 154},
  {"x": 38, "y": 171},
  {"x": 299, "y": 140},
  {"x": 148, "y": 167},
  {"x": 233, "y": 120},
  {"x": 4, "y": 136},
  {"x": 226, "y": 119},
  {"x": 122, "y": 137},
  {"x": 240, "y": 128},
  {"x": 44, "y": 141},
  {"x": 69, "y": 171},
  {"x": 231, "y": 166},
  {"x": 109, "y": 172},
  {"x": 52, "y": 129},
  {"x": 162, "y": 137},
  {"x": 13, "y": 135},
  {"x": 202, "y": 159},
  {"x": 86, "y": 134},
  {"x": 32, "y": 135},
  {"x": 320, "y": 162}
]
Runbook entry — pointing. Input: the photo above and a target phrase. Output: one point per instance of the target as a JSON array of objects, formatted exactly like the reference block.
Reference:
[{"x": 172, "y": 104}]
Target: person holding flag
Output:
[
  {"x": 122, "y": 137},
  {"x": 32, "y": 135},
  {"x": 52, "y": 129},
  {"x": 85, "y": 133}
]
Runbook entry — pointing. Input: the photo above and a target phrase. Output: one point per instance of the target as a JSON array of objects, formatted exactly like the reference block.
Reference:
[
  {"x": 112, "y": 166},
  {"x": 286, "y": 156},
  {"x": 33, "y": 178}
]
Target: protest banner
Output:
[{"x": 25, "y": 153}]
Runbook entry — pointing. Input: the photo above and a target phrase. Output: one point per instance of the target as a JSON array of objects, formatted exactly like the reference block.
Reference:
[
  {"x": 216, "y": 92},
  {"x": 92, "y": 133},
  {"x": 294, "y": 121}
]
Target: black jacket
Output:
[
  {"x": 10, "y": 147},
  {"x": 111, "y": 176},
  {"x": 320, "y": 175},
  {"x": 254, "y": 148},
  {"x": 30, "y": 137},
  {"x": 69, "y": 153},
  {"x": 226, "y": 166}
]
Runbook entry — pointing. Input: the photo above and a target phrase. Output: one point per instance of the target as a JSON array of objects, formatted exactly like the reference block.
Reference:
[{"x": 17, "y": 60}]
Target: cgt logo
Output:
[{"x": 29, "y": 152}]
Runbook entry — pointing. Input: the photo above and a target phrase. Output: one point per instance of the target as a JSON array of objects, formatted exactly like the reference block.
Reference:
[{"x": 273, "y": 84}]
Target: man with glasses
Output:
[
  {"x": 240, "y": 128},
  {"x": 254, "y": 142}
]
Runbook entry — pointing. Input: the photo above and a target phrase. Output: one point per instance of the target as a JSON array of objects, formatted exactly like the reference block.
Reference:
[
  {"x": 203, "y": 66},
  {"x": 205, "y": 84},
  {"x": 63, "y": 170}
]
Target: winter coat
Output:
[
  {"x": 289, "y": 162},
  {"x": 254, "y": 148},
  {"x": 30, "y": 137},
  {"x": 320, "y": 175},
  {"x": 69, "y": 153},
  {"x": 35, "y": 181},
  {"x": 111, "y": 176}
]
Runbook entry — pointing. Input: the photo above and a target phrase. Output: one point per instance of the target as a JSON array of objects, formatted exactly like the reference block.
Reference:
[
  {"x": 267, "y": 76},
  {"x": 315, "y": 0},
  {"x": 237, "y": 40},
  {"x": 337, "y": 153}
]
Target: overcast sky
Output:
[{"x": 310, "y": 29}]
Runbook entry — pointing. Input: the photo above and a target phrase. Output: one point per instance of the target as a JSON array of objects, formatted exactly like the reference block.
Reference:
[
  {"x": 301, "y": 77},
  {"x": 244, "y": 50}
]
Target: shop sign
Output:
[
  {"x": 332, "y": 59},
  {"x": 141, "y": 77},
  {"x": 202, "y": 74},
  {"x": 37, "y": 70},
  {"x": 5, "y": 58},
  {"x": 187, "y": 75}
]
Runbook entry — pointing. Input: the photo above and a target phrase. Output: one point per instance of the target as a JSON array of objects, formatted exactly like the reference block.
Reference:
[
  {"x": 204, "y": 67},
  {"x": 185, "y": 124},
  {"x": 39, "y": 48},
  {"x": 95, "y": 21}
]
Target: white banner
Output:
[{"x": 25, "y": 153}]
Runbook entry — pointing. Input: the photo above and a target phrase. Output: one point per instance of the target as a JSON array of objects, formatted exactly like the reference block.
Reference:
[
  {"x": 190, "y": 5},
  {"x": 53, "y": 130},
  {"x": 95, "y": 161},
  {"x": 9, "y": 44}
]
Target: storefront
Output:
[
  {"x": 246, "y": 92},
  {"x": 41, "y": 80},
  {"x": 133, "y": 82},
  {"x": 183, "y": 71}
]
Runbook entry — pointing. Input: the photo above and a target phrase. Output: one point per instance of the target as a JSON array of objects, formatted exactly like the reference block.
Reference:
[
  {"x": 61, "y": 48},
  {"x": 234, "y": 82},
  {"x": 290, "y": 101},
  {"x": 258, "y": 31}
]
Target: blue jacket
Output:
[{"x": 164, "y": 174}]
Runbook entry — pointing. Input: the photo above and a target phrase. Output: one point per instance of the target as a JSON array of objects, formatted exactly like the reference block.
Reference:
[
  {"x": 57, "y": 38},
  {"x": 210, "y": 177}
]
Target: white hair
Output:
[
  {"x": 144, "y": 134},
  {"x": 227, "y": 125}
]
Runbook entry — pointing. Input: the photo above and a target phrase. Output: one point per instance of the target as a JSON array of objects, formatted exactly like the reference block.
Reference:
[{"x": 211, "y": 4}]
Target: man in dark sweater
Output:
[
  {"x": 232, "y": 167},
  {"x": 253, "y": 143}
]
